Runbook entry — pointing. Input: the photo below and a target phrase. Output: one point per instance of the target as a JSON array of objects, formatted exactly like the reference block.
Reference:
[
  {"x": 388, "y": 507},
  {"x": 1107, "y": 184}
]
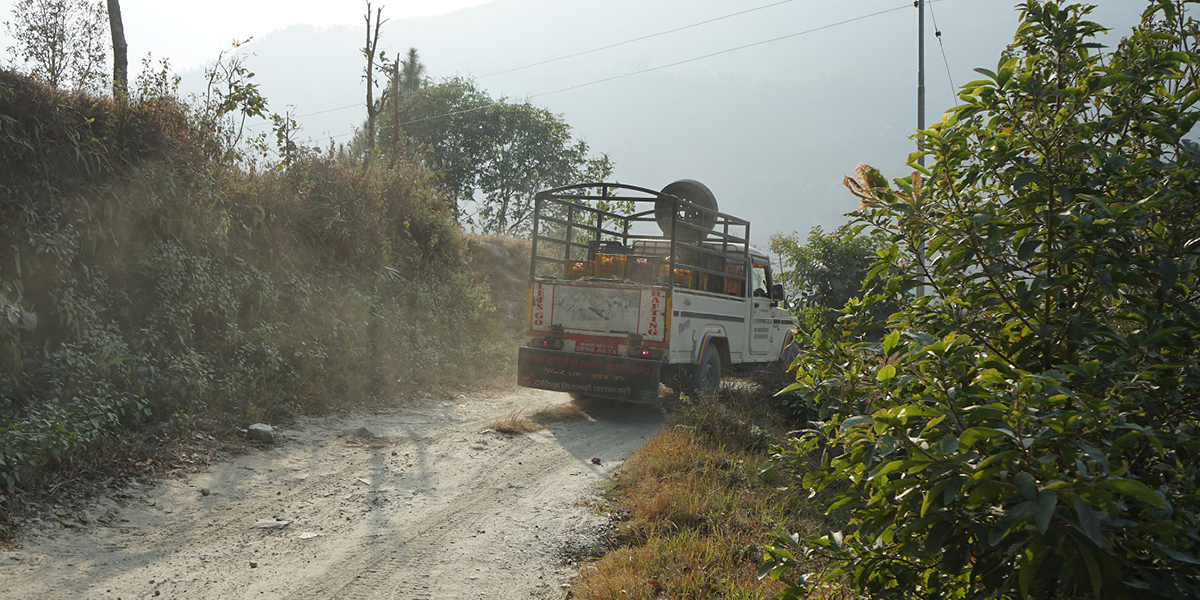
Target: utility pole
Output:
[{"x": 920, "y": 4}]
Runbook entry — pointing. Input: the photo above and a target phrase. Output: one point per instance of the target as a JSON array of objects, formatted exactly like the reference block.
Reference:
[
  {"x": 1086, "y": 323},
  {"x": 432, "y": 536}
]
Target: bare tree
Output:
[
  {"x": 369, "y": 52},
  {"x": 120, "y": 51}
]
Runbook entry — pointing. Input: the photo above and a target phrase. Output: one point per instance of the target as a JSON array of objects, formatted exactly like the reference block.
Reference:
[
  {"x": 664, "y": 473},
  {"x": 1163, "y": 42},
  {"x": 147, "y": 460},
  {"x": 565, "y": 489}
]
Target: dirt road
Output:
[{"x": 435, "y": 508}]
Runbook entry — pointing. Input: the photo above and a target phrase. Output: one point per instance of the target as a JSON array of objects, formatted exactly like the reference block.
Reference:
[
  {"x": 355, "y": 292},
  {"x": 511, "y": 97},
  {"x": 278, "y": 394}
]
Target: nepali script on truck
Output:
[{"x": 630, "y": 287}]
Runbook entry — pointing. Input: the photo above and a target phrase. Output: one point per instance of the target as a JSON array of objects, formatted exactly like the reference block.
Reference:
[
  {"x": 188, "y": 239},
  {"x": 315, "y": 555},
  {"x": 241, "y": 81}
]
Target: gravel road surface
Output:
[{"x": 420, "y": 503}]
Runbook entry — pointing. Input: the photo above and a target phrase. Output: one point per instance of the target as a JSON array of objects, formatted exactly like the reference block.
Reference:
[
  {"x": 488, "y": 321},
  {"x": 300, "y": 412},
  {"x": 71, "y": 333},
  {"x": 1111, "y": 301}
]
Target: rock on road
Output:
[{"x": 424, "y": 504}]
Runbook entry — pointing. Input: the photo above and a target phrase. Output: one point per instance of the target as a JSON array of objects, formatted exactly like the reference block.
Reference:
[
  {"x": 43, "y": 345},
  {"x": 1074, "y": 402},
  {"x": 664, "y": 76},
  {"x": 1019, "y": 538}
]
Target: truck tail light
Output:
[
  {"x": 644, "y": 352},
  {"x": 547, "y": 343}
]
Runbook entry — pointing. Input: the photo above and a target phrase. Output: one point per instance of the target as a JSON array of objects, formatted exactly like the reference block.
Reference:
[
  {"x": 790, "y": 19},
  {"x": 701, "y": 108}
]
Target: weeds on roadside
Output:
[{"x": 698, "y": 502}]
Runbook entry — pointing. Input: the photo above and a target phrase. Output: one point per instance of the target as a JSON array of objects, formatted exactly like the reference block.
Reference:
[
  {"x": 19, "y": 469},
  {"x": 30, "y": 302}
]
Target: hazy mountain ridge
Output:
[{"x": 771, "y": 129}]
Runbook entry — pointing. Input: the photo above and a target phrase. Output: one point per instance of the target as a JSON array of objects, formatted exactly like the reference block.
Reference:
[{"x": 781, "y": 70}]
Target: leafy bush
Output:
[
  {"x": 826, "y": 271},
  {"x": 1030, "y": 428}
]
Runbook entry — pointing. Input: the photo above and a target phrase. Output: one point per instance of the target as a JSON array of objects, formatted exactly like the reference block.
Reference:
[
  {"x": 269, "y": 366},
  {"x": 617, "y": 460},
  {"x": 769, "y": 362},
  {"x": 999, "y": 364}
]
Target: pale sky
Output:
[
  {"x": 191, "y": 34},
  {"x": 770, "y": 128}
]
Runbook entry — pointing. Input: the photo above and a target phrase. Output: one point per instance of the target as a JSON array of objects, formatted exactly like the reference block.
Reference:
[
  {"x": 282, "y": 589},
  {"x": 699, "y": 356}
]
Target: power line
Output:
[
  {"x": 311, "y": 114},
  {"x": 321, "y": 112},
  {"x": 727, "y": 51},
  {"x": 576, "y": 54},
  {"x": 637, "y": 39},
  {"x": 937, "y": 32},
  {"x": 660, "y": 67}
]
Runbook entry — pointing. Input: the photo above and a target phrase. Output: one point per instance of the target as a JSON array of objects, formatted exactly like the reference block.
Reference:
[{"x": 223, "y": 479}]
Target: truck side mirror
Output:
[{"x": 777, "y": 291}]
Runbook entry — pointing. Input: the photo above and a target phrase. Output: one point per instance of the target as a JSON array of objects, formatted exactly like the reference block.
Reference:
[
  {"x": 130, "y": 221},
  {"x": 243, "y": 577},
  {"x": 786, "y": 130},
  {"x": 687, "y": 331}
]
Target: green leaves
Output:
[
  {"x": 1030, "y": 428},
  {"x": 829, "y": 269},
  {"x": 1047, "y": 501},
  {"x": 493, "y": 154},
  {"x": 885, "y": 373},
  {"x": 973, "y": 435},
  {"x": 1135, "y": 489},
  {"x": 890, "y": 341}
]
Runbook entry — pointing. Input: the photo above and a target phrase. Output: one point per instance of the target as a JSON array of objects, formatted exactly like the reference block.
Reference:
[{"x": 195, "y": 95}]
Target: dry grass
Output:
[
  {"x": 701, "y": 502},
  {"x": 560, "y": 413},
  {"x": 515, "y": 424}
]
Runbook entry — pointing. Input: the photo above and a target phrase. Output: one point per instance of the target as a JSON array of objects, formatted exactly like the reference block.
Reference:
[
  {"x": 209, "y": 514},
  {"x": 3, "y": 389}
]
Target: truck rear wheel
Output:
[{"x": 704, "y": 378}]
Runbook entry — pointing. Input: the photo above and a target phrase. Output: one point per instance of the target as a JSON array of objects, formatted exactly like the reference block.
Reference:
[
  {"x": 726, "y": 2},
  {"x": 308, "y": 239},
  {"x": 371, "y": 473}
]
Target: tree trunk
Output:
[
  {"x": 120, "y": 51},
  {"x": 369, "y": 51},
  {"x": 395, "y": 110}
]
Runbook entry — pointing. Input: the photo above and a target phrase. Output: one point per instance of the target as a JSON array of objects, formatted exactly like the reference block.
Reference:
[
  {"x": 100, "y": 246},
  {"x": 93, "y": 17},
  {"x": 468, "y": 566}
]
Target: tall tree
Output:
[
  {"x": 493, "y": 155},
  {"x": 369, "y": 48},
  {"x": 62, "y": 42},
  {"x": 120, "y": 51},
  {"x": 413, "y": 72},
  {"x": 395, "y": 141},
  {"x": 827, "y": 271},
  {"x": 407, "y": 76}
]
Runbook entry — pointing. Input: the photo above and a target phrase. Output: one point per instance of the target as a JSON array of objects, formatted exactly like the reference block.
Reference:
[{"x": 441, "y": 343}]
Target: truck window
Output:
[{"x": 760, "y": 281}]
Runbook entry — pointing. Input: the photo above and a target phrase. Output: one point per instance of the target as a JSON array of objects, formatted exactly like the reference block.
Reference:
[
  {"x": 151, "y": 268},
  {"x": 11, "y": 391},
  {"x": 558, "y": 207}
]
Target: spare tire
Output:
[{"x": 695, "y": 192}]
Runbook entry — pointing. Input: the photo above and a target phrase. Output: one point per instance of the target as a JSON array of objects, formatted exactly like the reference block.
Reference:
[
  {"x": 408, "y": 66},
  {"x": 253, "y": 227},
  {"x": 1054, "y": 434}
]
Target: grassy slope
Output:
[{"x": 149, "y": 281}]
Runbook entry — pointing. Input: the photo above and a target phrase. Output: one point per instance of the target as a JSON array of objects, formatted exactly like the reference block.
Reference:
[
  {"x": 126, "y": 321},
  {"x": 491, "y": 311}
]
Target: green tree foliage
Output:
[
  {"x": 231, "y": 96},
  {"x": 492, "y": 155},
  {"x": 828, "y": 270},
  {"x": 406, "y": 76},
  {"x": 62, "y": 42},
  {"x": 1030, "y": 428},
  {"x": 412, "y": 73}
]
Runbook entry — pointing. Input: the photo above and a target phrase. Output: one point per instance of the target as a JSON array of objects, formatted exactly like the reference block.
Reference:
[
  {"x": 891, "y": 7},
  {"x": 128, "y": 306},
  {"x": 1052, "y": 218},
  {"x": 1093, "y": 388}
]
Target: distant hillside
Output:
[{"x": 771, "y": 129}]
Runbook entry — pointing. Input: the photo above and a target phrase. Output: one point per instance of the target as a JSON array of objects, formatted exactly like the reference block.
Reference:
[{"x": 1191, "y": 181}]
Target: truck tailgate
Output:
[{"x": 597, "y": 309}]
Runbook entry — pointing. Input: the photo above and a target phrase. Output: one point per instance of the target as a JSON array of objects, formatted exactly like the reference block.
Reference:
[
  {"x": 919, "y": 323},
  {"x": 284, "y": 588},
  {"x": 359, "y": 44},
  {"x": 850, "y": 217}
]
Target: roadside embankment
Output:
[{"x": 156, "y": 278}]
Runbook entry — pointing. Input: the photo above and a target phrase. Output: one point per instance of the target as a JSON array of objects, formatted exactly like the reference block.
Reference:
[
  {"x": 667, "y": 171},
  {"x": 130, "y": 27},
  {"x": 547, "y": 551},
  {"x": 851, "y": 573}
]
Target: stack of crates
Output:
[{"x": 609, "y": 259}]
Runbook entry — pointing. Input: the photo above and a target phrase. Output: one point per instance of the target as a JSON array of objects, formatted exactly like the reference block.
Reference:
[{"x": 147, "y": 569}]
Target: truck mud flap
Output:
[{"x": 611, "y": 377}]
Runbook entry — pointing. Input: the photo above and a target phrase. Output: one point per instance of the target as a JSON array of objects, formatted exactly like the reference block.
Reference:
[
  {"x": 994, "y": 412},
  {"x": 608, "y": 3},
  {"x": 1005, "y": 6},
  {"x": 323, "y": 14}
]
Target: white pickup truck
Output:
[{"x": 630, "y": 287}]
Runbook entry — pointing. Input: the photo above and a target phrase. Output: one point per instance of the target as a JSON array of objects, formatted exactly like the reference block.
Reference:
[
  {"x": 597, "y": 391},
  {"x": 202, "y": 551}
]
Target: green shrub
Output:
[{"x": 1030, "y": 428}]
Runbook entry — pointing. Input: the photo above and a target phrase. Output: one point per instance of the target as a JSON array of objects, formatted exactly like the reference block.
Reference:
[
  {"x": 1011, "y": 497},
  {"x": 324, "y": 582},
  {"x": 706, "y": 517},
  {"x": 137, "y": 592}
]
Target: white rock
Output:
[{"x": 261, "y": 432}]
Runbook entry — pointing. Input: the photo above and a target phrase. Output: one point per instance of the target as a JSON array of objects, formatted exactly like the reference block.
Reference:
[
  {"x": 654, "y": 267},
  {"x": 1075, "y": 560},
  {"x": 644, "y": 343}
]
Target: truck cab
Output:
[{"x": 616, "y": 307}]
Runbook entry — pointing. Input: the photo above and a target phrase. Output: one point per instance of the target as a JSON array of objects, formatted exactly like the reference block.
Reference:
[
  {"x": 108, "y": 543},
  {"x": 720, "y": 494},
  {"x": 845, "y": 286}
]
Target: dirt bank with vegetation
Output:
[{"x": 149, "y": 279}]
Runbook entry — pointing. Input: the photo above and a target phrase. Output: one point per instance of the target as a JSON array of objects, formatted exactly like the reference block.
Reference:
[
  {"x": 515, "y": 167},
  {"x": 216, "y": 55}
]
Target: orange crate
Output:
[
  {"x": 735, "y": 286},
  {"x": 645, "y": 269},
  {"x": 685, "y": 277},
  {"x": 578, "y": 269},
  {"x": 610, "y": 266}
]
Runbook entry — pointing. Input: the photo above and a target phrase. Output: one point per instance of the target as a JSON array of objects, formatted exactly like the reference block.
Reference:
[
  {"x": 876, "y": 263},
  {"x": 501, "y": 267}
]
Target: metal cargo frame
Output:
[{"x": 571, "y": 208}]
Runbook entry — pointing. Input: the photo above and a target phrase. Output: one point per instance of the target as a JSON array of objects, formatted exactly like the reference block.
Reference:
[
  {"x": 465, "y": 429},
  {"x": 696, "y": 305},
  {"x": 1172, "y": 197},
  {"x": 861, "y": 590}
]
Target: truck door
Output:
[{"x": 761, "y": 315}]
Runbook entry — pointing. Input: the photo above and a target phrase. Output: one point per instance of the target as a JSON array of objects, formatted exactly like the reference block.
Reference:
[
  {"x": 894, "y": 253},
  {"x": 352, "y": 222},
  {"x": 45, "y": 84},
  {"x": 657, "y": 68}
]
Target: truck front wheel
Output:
[{"x": 705, "y": 377}]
